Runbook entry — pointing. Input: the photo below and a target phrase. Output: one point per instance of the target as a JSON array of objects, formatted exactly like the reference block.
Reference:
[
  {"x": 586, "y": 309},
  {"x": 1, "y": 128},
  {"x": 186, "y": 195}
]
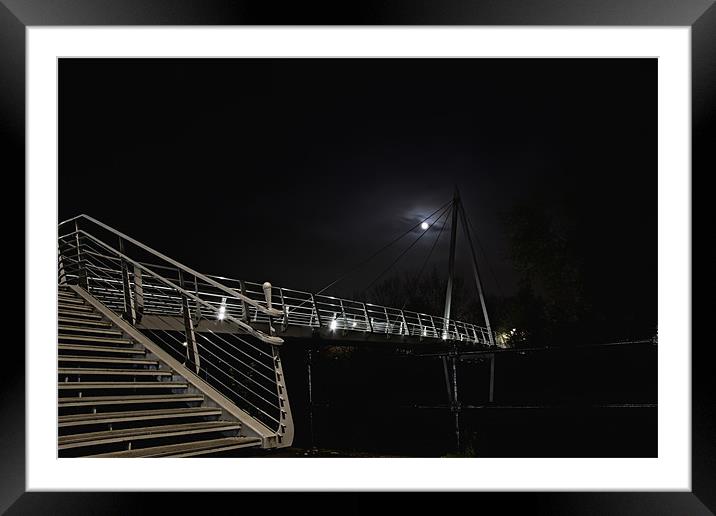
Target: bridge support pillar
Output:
[{"x": 491, "y": 398}]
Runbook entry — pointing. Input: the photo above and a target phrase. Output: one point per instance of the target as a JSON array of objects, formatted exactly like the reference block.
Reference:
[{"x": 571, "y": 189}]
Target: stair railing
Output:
[{"x": 239, "y": 361}]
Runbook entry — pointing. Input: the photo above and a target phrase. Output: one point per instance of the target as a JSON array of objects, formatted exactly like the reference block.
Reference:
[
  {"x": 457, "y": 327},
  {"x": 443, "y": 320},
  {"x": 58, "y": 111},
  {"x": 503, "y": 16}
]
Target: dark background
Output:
[{"x": 295, "y": 170}]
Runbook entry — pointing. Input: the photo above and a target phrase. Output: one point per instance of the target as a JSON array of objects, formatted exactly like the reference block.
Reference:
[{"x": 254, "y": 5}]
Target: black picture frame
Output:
[{"x": 700, "y": 15}]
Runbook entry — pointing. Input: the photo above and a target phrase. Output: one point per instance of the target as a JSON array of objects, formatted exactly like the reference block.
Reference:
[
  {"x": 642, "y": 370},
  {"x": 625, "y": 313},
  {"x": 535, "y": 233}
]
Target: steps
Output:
[
  {"x": 190, "y": 449},
  {"x": 116, "y": 401}
]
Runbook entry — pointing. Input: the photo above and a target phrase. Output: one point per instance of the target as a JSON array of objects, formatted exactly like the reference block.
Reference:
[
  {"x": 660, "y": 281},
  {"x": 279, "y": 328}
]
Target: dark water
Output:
[{"x": 558, "y": 403}]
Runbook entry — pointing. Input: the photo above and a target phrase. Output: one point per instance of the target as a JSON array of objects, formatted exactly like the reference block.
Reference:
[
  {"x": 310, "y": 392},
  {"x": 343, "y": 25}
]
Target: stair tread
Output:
[
  {"x": 107, "y": 360},
  {"x": 76, "y": 308},
  {"x": 106, "y": 331},
  {"x": 84, "y": 316},
  {"x": 115, "y": 371},
  {"x": 182, "y": 449},
  {"x": 121, "y": 385},
  {"x": 91, "y": 438},
  {"x": 135, "y": 415},
  {"x": 102, "y": 349},
  {"x": 115, "y": 400},
  {"x": 91, "y": 338},
  {"x": 89, "y": 322},
  {"x": 71, "y": 300}
]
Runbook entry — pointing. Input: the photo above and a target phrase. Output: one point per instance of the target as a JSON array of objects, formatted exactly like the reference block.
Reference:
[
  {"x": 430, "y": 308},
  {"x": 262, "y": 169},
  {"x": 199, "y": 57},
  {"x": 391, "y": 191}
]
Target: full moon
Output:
[{"x": 424, "y": 226}]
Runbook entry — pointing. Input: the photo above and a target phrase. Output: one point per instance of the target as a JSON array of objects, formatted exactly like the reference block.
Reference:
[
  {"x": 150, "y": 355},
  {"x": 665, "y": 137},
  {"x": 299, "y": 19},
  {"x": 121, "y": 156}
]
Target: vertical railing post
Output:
[
  {"x": 435, "y": 330},
  {"x": 345, "y": 319},
  {"x": 402, "y": 316},
  {"x": 315, "y": 309},
  {"x": 422, "y": 330},
  {"x": 138, "y": 294},
  {"x": 129, "y": 314},
  {"x": 284, "y": 325},
  {"x": 192, "y": 351},
  {"x": 244, "y": 306},
  {"x": 367, "y": 319},
  {"x": 387, "y": 321},
  {"x": 267, "y": 295},
  {"x": 81, "y": 270}
]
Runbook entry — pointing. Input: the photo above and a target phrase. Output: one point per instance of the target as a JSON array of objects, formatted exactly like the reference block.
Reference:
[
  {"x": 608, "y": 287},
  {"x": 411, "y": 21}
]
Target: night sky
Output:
[{"x": 294, "y": 170}]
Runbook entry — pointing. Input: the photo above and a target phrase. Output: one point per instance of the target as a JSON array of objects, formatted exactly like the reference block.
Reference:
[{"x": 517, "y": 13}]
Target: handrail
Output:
[
  {"x": 227, "y": 356},
  {"x": 295, "y": 307},
  {"x": 296, "y": 301},
  {"x": 233, "y": 293},
  {"x": 256, "y": 333}
]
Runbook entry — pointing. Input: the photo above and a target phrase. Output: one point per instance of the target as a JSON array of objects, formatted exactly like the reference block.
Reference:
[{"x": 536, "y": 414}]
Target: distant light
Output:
[
  {"x": 184, "y": 344},
  {"x": 444, "y": 336},
  {"x": 222, "y": 309},
  {"x": 355, "y": 324},
  {"x": 424, "y": 226}
]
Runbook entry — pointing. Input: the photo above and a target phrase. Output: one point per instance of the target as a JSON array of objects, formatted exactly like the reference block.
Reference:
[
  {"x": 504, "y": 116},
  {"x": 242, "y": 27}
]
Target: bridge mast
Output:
[
  {"x": 451, "y": 262},
  {"x": 458, "y": 208}
]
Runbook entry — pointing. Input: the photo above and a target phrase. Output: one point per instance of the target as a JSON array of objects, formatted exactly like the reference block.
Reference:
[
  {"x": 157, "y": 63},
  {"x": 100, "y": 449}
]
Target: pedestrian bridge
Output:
[
  {"x": 157, "y": 359},
  {"x": 158, "y": 285}
]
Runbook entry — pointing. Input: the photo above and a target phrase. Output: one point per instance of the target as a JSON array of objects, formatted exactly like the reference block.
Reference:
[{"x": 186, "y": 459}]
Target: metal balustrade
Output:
[
  {"x": 238, "y": 360},
  {"x": 246, "y": 301},
  {"x": 337, "y": 314}
]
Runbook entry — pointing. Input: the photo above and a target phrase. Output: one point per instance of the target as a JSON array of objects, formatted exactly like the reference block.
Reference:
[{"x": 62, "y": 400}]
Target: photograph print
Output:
[{"x": 380, "y": 257}]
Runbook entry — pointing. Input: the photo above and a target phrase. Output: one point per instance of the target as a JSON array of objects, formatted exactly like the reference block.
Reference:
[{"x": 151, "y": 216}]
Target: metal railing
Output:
[
  {"x": 239, "y": 361},
  {"x": 280, "y": 307},
  {"x": 340, "y": 315}
]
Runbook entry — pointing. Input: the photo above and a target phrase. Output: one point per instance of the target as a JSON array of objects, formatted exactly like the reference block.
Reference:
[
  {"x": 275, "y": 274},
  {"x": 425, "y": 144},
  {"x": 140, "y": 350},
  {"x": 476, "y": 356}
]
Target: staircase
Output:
[{"x": 117, "y": 399}]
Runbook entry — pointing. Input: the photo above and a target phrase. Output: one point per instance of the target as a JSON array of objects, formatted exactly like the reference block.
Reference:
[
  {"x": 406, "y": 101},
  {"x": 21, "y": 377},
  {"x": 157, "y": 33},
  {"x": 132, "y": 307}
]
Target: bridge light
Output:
[
  {"x": 424, "y": 226},
  {"x": 334, "y": 324},
  {"x": 444, "y": 336},
  {"x": 355, "y": 324},
  {"x": 222, "y": 309}
]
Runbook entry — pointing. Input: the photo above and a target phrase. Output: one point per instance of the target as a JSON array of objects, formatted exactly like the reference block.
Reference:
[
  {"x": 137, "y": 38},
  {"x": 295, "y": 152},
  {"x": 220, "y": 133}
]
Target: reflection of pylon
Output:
[{"x": 459, "y": 210}]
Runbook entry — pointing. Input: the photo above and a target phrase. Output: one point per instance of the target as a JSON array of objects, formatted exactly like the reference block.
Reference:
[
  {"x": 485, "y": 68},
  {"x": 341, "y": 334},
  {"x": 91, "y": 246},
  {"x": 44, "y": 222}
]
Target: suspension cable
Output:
[
  {"x": 376, "y": 253},
  {"x": 445, "y": 209},
  {"x": 484, "y": 255},
  {"x": 435, "y": 243}
]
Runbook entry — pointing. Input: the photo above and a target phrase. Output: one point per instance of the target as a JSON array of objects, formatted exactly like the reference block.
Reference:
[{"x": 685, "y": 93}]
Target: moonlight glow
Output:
[{"x": 424, "y": 226}]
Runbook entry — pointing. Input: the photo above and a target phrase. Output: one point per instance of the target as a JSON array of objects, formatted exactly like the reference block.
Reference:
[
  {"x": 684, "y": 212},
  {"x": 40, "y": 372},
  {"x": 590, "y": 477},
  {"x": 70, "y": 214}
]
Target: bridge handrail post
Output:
[
  {"x": 138, "y": 295},
  {"x": 267, "y": 295},
  {"x": 387, "y": 320},
  {"x": 81, "y": 269},
  {"x": 126, "y": 289},
  {"x": 245, "y": 316},
  {"x": 402, "y": 316},
  {"x": 192, "y": 351},
  {"x": 432, "y": 321},
  {"x": 315, "y": 309},
  {"x": 345, "y": 319},
  {"x": 367, "y": 319},
  {"x": 284, "y": 325}
]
